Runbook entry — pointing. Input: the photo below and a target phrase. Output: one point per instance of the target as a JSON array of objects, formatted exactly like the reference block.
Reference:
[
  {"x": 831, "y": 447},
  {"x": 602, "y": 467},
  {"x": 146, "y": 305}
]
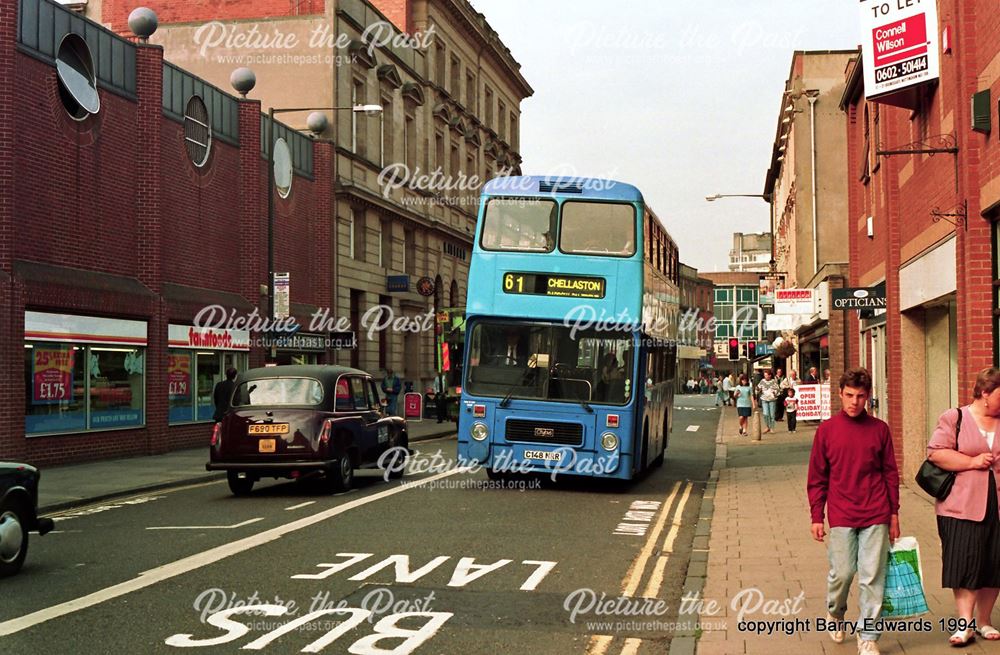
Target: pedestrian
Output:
[
  {"x": 810, "y": 377},
  {"x": 222, "y": 394},
  {"x": 968, "y": 518},
  {"x": 769, "y": 392},
  {"x": 827, "y": 376},
  {"x": 745, "y": 403},
  {"x": 690, "y": 385},
  {"x": 727, "y": 390},
  {"x": 854, "y": 479},
  {"x": 703, "y": 386},
  {"x": 721, "y": 394},
  {"x": 391, "y": 386},
  {"x": 779, "y": 409},
  {"x": 792, "y": 380},
  {"x": 791, "y": 404},
  {"x": 441, "y": 396}
]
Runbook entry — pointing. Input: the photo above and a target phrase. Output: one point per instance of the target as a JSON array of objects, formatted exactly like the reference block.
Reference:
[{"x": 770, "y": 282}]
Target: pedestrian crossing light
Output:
[
  {"x": 751, "y": 350},
  {"x": 734, "y": 350}
]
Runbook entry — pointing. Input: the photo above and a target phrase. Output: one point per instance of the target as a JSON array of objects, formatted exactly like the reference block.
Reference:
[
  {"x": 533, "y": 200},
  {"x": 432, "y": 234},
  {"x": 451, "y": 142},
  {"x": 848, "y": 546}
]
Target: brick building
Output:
[
  {"x": 695, "y": 342},
  {"x": 132, "y": 195},
  {"x": 450, "y": 92},
  {"x": 924, "y": 191}
]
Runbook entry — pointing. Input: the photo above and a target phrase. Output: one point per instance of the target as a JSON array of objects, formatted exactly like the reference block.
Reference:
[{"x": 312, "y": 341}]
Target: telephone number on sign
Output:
[{"x": 907, "y": 67}]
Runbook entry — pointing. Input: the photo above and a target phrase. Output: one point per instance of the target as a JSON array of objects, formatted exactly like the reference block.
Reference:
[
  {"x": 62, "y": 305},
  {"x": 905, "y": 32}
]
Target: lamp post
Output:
[{"x": 369, "y": 110}]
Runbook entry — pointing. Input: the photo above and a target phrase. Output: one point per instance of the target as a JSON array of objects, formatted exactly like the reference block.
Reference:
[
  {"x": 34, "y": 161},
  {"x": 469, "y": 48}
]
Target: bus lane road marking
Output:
[{"x": 200, "y": 560}]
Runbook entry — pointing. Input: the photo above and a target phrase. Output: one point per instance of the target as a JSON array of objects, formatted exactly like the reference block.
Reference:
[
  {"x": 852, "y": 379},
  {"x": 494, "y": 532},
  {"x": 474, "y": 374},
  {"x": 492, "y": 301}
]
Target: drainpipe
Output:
[{"x": 812, "y": 129}]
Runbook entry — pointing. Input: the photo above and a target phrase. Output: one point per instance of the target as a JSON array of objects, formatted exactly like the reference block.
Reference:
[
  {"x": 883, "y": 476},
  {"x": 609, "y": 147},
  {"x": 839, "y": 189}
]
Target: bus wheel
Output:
[{"x": 658, "y": 462}]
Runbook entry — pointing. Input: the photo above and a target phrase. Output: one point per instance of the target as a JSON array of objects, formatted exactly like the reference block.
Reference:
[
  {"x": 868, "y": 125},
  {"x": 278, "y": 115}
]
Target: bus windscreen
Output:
[{"x": 546, "y": 362}]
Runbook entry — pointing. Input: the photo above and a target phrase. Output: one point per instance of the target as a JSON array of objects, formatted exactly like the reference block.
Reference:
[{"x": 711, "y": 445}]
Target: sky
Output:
[{"x": 680, "y": 99}]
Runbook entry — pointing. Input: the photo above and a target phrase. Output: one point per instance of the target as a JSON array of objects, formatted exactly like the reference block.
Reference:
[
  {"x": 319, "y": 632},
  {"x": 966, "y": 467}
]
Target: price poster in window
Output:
[
  {"x": 179, "y": 375},
  {"x": 52, "y": 373}
]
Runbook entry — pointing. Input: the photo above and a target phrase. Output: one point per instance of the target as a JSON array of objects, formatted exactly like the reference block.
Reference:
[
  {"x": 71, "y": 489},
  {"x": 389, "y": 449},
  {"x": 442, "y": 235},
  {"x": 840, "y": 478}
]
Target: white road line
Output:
[
  {"x": 656, "y": 579},
  {"x": 199, "y": 560},
  {"x": 631, "y": 646},
  {"x": 205, "y": 527},
  {"x": 693, "y": 428},
  {"x": 599, "y": 644},
  {"x": 634, "y": 575},
  {"x": 300, "y": 505}
]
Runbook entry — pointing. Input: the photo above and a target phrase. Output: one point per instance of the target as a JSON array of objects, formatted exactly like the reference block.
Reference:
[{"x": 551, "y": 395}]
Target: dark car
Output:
[
  {"x": 18, "y": 514},
  {"x": 290, "y": 421}
]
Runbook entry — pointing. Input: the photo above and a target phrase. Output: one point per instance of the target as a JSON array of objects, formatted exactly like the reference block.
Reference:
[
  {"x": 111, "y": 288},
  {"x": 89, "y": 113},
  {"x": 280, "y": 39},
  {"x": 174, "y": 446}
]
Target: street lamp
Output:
[{"x": 316, "y": 125}]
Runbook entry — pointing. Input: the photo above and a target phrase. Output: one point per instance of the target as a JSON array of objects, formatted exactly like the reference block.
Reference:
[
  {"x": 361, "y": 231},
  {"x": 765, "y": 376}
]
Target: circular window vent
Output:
[
  {"x": 282, "y": 168},
  {"x": 77, "y": 83},
  {"x": 197, "y": 131}
]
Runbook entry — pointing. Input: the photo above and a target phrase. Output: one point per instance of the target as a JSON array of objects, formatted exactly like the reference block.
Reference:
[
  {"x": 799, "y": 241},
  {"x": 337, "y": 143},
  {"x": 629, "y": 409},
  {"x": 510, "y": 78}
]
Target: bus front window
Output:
[
  {"x": 540, "y": 362},
  {"x": 598, "y": 228},
  {"x": 519, "y": 224}
]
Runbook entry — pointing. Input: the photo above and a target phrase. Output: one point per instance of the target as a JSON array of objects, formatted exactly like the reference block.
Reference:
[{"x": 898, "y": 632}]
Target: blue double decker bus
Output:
[{"x": 571, "y": 323}]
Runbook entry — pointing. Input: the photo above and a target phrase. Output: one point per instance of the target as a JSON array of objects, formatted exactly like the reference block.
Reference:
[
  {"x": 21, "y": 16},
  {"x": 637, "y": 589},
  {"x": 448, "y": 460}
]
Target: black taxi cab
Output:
[{"x": 291, "y": 421}]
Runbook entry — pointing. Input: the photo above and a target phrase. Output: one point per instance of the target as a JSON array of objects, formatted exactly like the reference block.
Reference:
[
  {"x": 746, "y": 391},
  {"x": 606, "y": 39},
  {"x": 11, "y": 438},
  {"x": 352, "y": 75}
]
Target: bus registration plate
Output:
[{"x": 543, "y": 455}]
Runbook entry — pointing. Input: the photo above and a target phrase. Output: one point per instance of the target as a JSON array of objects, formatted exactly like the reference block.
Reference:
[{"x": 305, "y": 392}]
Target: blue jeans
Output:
[
  {"x": 767, "y": 407},
  {"x": 864, "y": 551}
]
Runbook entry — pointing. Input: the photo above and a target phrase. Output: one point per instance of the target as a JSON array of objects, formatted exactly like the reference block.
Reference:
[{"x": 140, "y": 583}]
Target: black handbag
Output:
[{"x": 932, "y": 478}]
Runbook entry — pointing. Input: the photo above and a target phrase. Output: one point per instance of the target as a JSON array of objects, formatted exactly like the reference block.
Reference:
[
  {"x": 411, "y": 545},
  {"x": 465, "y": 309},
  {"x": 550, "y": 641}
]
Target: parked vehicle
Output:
[
  {"x": 290, "y": 421},
  {"x": 18, "y": 514}
]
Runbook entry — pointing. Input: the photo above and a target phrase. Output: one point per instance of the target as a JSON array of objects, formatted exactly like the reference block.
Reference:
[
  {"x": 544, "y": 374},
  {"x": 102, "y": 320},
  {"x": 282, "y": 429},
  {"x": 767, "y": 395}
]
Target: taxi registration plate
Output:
[
  {"x": 268, "y": 428},
  {"x": 266, "y": 445}
]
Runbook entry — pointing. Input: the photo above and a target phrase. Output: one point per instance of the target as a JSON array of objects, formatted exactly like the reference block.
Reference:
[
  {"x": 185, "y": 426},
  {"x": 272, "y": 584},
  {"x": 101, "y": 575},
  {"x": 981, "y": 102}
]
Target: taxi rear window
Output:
[{"x": 278, "y": 391}]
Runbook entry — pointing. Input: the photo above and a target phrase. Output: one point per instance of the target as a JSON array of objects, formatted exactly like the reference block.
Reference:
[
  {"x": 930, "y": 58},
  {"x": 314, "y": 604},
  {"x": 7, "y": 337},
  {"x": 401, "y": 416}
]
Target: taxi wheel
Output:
[
  {"x": 397, "y": 472},
  {"x": 239, "y": 486},
  {"x": 341, "y": 477},
  {"x": 13, "y": 538}
]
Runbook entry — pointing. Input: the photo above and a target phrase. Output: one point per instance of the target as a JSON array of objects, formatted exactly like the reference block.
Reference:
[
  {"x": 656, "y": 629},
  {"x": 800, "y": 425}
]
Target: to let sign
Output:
[
  {"x": 900, "y": 44},
  {"x": 858, "y": 298}
]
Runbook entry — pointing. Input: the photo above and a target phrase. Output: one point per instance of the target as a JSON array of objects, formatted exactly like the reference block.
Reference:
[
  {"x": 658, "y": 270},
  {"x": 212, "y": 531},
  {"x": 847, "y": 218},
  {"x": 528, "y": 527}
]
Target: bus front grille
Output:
[{"x": 563, "y": 434}]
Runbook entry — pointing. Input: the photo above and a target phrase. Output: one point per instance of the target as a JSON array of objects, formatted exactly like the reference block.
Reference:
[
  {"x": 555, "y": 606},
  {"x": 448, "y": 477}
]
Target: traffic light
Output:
[
  {"x": 734, "y": 350},
  {"x": 751, "y": 350}
]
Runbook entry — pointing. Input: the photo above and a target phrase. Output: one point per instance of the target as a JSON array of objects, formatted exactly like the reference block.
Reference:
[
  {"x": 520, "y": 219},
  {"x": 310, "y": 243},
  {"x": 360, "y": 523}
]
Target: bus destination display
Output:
[{"x": 548, "y": 284}]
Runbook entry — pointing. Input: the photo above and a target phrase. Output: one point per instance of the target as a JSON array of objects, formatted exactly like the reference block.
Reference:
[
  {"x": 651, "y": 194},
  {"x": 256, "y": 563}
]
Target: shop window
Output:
[
  {"x": 72, "y": 388},
  {"x": 116, "y": 387},
  {"x": 180, "y": 396},
  {"x": 209, "y": 372},
  {"x": 55, "y": 388}
]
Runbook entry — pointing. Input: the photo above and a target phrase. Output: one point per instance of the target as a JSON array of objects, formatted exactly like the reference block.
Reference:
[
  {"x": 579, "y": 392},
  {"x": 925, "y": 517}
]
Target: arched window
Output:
[{"x": 453, "y": 300}]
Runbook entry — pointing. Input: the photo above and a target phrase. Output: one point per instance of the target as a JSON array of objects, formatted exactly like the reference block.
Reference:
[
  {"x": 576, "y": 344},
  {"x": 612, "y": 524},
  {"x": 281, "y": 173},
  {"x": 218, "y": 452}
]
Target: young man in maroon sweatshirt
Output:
[{"x": 853, "y": 475}]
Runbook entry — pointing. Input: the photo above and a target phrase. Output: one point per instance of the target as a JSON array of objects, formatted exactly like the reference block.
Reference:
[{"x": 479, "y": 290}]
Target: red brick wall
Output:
[
  {"x": 117, "y": 193},
  {"x": 115, "y": 12},
  {"x": 399, "y": 12}
]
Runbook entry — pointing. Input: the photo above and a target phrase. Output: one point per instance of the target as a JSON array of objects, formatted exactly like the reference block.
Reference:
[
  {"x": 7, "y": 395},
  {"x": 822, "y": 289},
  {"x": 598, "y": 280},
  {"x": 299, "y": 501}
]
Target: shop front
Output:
[
  {"x": 83, "y": 373},
  {"x": 301, "y": 349},
  {"x": 197, "y": 360}
]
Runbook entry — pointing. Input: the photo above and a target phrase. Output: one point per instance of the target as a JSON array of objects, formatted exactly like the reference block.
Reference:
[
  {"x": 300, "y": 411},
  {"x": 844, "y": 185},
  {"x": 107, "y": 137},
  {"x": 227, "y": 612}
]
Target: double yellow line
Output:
[{"x": 673, "y": 508}]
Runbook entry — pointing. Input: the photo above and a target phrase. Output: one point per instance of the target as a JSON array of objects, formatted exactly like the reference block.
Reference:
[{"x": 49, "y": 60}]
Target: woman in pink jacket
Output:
[{"x": 969, "y": 518}]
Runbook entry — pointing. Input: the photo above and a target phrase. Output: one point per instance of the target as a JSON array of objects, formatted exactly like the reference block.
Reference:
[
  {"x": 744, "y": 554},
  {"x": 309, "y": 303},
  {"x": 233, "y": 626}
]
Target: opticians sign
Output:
[
  {"x": 863, "y": 298},
  {"x": 900, "y": 44}
]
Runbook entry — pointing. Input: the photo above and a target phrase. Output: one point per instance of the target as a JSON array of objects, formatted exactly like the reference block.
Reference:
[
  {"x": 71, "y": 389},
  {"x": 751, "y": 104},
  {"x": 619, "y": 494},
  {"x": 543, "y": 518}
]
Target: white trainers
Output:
[
  {"x": 836, "y": 633},
  {"x": 866, "y": 647}
]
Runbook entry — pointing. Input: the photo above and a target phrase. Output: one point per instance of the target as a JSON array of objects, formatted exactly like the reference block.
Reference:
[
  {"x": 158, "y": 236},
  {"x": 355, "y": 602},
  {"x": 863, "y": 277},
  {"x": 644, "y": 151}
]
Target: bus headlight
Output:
[
  {"x": 609, "y": 441},
  {"x": 480, "y": 431}
]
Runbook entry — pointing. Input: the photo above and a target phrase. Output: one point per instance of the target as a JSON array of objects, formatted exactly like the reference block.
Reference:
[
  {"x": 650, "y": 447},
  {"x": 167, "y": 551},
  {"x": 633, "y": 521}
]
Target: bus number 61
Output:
[{"x": 509, "y": 280}]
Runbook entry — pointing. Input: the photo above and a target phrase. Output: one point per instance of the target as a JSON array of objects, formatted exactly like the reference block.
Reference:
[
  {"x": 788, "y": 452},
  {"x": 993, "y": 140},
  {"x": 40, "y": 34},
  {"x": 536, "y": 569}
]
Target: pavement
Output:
[
  {"x": 759, "y": 540},
  {"x": 65, "y": 487}
]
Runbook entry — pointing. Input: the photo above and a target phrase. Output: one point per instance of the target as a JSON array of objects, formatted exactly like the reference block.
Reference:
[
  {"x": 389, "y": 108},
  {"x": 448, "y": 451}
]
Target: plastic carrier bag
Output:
[{"x": 904, "y": 581}]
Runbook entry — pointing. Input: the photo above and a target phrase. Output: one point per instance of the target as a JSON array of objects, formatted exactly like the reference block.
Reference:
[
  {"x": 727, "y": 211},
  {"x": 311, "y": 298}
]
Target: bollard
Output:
[{"x": 755, "y": 425}]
